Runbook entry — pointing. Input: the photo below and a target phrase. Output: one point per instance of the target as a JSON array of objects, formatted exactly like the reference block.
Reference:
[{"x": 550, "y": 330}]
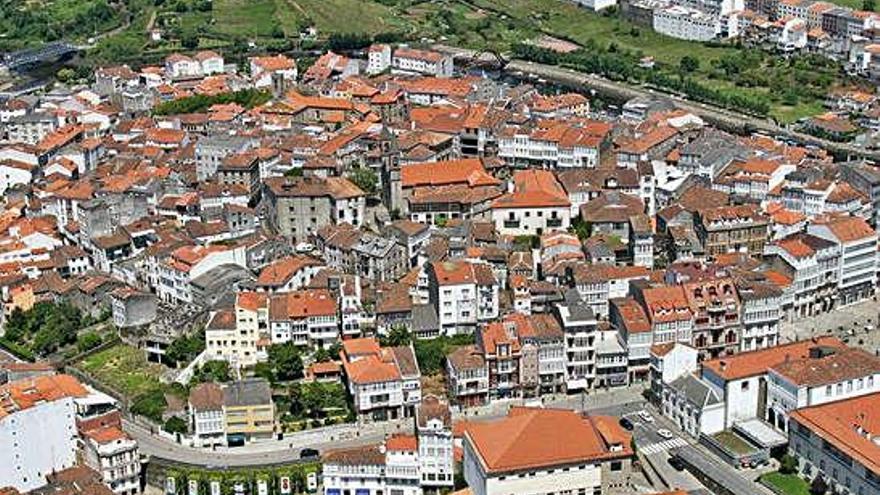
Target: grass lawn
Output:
[
  {"x": 124, "y": 368},
  {"x": 245, "y": 17},
  {"x": 787, "y": 115},
  {"x": 790, "y": 484}
]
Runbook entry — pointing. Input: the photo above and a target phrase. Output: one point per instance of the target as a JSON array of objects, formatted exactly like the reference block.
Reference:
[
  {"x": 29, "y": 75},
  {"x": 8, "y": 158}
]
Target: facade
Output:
[
  {"x": 692, "y": 405},
  {"x": 206, "y": 414},
  {"x": 731, "y": 229},
  {"x": 384, "y": 383},
  {"x": 249, "y": 411},
  {"x": 467, "y": 376},
  {"x": 113, "y": 454},
  {"x": 38, "y": 429},
  {"x": 856, "y": 243},
  {"x": 580, "y": 328},
  {"x": 463, "y": 293},
  {"x": 537, "y": 204},
  {"x": 836, "y": 441},
  {"x": 299, "y": 207}
]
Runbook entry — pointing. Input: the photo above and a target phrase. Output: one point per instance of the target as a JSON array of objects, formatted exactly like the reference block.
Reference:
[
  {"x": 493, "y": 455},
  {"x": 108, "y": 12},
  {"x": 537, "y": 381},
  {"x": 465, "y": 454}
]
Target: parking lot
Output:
[{"x": 856, "y": 324}]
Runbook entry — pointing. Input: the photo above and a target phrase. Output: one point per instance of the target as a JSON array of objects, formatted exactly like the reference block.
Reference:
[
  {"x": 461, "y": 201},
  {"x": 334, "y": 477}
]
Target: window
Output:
[
  {"x": 616, "y": 466},
  {"x": 745, "y": 386}
]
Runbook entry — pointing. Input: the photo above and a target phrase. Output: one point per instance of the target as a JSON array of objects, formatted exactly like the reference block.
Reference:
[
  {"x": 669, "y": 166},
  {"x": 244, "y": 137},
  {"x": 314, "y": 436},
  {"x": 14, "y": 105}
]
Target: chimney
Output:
[{"x": 723, "y": 365}]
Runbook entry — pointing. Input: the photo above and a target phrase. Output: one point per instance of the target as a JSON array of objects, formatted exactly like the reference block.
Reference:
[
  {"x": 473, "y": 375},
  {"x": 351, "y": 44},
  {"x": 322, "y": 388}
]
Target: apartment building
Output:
[
  {"x": 249, "y": 411},
  {"x": 716, "y": 308},
  {"x": 761, "y": 306},
  {"x": 635, "y": 329},
  {"x": 115, "y": 455},
  {"x": 555, "y": 143},
  {"x": 579, "y": 327},
  {"x": 309, "y": 318},
  {"x": 300, "y": 206},
  {"x": 362, "y": 253},
  {"x": 856, "y": 242},
  {"x": 436, "y": 450},
  {"x": 547, "y": 451},
  {"x": 176, "y": 273},
  {"x": 813, "y": 265},
  {"x": 467, "y": 376},
  {"x": 502, "y": 351},
  {"x": 463, "y": 294},
  {"x": 407, "y": 60},
  {"x": 731, "y": 229},
  {"x": 384, "y": 383},
  {"x": 38, "y": 429}
]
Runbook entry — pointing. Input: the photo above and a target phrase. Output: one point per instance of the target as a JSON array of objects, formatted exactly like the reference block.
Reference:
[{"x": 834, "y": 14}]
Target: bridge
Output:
[{"x": 44, "y": 53}]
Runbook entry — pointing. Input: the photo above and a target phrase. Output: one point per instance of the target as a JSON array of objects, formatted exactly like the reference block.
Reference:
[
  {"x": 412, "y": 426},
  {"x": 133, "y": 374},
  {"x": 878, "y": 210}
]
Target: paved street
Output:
[{"x": 287, "y": 450}]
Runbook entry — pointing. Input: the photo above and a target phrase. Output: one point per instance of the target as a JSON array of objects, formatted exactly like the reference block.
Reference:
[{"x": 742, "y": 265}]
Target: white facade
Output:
[
  {"x": 378, "y": 59},
  {"x": 209, "y": 427},
  {"x": 580, "y": 329},
  {"x": 37, "y": 441},
  {"x": 522, "y": 148},
  {"x": 531, "y": 220},
  {"x": 686, "y": 23},
  {"x": 118, "y": 461},
  {"x": 858, "y": 263}
]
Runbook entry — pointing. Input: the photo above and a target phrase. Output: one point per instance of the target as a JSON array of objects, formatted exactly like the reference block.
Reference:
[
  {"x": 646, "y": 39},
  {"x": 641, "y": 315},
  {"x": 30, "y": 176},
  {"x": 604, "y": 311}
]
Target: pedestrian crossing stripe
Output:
[{"x": 672, "y": 443}]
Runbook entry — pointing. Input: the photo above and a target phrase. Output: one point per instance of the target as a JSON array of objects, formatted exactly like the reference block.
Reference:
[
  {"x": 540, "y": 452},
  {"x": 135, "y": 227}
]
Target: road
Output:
[
  {"x": 717, "y": 116},
  {"x": 348, "y": 435}
]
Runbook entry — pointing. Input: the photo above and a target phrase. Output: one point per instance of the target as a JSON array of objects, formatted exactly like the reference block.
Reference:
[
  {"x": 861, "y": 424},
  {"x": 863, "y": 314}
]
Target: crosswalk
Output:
[{"x": 672, "y": 443}]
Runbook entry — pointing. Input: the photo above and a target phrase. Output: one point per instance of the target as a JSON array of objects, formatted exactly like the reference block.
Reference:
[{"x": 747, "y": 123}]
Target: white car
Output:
[
  {"x": 664, "y": 433},
  {"x": 646, "y": 416}
]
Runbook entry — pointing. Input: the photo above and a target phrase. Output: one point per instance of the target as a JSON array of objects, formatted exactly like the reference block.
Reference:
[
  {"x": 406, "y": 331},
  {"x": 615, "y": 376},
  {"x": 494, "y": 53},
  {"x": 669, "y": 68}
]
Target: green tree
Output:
[
  {"x": 151, "y": 405},
  {"x": 88, "y": 341},
  {"x": 286, "y": 361},
  {"x": 365, "y": 179},
  {"x": 185, "y": 348},
  {"x": 65, "y": 75},
  {"x": 213, "y": 371},
  {"x": 869, "y": 5},
  {"x": 175, "y": 424},
  {"x": 688, "y": 64},
  {"x": 399, "y": 335}
]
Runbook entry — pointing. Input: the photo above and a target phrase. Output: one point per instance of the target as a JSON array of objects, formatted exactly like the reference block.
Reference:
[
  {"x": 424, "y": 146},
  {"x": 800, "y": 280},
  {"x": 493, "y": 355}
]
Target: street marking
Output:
[{"x": 672, "y": 443}]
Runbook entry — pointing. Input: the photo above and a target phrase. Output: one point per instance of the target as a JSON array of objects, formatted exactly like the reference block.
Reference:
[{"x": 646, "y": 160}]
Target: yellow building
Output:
[{"x": 248, "y": 410}]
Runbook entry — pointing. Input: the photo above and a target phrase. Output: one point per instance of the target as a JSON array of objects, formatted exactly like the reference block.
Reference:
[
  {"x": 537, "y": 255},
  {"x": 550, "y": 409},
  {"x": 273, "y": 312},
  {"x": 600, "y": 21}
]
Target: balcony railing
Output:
[{"x": 511, "y": 224}]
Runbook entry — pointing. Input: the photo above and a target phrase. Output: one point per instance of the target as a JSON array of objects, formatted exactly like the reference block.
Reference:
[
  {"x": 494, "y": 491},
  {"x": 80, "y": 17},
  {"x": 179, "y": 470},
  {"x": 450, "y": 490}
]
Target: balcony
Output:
[
  {"x": 554, "y": 222},
  {"x": 511, "y": 224}
]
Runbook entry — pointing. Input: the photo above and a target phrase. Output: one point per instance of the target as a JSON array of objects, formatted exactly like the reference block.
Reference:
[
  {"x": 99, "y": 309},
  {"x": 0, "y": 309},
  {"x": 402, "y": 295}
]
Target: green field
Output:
[
  {"x": 789, "y": 484},
  {"x": 125, "y": 369}
]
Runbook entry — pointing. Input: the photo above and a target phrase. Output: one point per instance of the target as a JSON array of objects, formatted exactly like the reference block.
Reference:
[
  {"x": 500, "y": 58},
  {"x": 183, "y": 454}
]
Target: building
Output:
[
  {"x": 114, "y": 454},
  {"x": 693, "y": 405},
  {"x": 429, "y": 63},
  {"x": 384, "y": 383},
  {"x": 686, "y": 23},
  {"x": 547, "y": 451},
  {"x": 579, "y": 327},
  {"x": 761, "y": 307},
  {"x": 715, "y": 307},
  {"x": 249, "y": 411},
  {"x": 463, "y": 294},
  {"x": 856, "y": 243},
  {"x": 38, "y": 429},
  {"x": 741, "y": 380},
  {"x": 307, "y": 317},
  {"x": 827, "y": 374},
  {"x": 537, "y": 204},
  {"x": 837, "y": 442},
  {"x": 436, "y": 450},
  {"x": 732, "y": 229},
  {"x": 467, "y": 376},
  {"x": 299, "y": 207},
  {"x": 207, "y": 419}
]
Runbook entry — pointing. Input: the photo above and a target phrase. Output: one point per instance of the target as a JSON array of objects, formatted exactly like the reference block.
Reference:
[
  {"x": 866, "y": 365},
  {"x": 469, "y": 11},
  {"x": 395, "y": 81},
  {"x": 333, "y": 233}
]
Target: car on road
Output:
[
  {"x": 309, "y": 454},
  {"x": 626, "y": 424},
  {"x": 645, "y": 416},
  {"x": 676, "y": 463},
  {"x": 665, "y": 434}
]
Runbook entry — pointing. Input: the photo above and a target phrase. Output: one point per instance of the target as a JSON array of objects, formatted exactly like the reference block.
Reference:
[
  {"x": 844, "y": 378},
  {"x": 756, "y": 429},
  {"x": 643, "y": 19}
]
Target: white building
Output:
[
  {"x": 308, "y": 318},
  {"x": 378, "y": 59},
  {"x": 424, "y": 62},
  {"x": 537, "y": 204},
  {"x": 547, "y": 451},
  {"x": 436, "y": 449},
  {"x": 687, "y": 23},
  {"x": 114, "y": 454},
  {"x": 463, "y": 294},
  {"x": 597, "y": 5},
  {"x": 569, "y": 143},
  {"x": 206, "y": 415},
  {"x": 384, "y": 383},
  {"x": 857, "y": 245},
  {"x": 37, "y": 429},
  {"x": 579, "y": 325},
  {"x": 669, "y": 362},
  {"x": 693, "y": 405},
  {"x": 828, "y": 374},
  {"x": 178, "y": 66},
  {"x": 176, "y": 272}
]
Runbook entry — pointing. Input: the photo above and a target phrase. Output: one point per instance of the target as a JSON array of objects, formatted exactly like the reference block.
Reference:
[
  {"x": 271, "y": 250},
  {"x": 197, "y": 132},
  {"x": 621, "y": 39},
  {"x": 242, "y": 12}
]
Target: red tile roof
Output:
[{"x": 753, "y": 363}]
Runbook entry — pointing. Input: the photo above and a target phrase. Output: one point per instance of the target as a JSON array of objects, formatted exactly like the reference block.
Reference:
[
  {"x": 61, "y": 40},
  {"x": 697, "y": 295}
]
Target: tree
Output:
[
  {"x": 175, "y": 424},
  {"x": 185, "y": 348},
  {"x": 819, "y": 486},
  {"x": 788, "y": 464},
  {"x": 88, "y": 341},
  {"x": 399, "y": 335},
  {"x": 286, "y": 361},
  {"x": 365, "y": 179},
  {"x": 688, "y": 64},
  {"x": 65, "y": 75},
  {"x": 213, "y": 371},
  {"x": 322, "y": 356},
  {"x": 869, "y": 5}
]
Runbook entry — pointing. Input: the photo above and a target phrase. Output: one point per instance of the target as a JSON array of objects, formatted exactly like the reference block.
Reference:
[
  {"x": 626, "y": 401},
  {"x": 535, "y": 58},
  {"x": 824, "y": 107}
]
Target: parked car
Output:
[
  {"x": 309, "y": 454},
  {"x": 626, "y": 424},
  {"x": 645, "y": 416},
  {"x": 665, "y": 434},
  {"x": 676, "y": 463}
]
